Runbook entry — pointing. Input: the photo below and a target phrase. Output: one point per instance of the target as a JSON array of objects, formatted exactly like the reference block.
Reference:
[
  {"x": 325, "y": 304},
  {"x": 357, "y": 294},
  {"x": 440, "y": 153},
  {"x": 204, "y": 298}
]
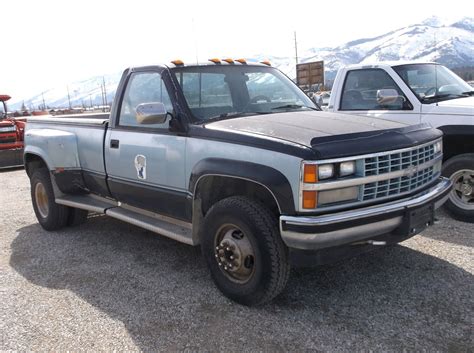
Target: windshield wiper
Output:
[
  {"x": 224, "y": 116},
  {"x": 294, "y": 106},
  {"x": 469, "y": 93},
  {"x": 438, "y": 97}
]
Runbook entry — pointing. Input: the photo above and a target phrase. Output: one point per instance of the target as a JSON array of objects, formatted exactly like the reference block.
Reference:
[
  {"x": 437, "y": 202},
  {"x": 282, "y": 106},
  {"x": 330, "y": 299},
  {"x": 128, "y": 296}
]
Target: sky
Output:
[{"x": 49, "y": 43}]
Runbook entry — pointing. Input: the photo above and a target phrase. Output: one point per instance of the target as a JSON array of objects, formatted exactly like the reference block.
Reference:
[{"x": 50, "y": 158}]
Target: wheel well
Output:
[
  {"x": 32, "y": 162},
  {"x": 457, "y": 144},
  {"x": 211, "y": 189}
]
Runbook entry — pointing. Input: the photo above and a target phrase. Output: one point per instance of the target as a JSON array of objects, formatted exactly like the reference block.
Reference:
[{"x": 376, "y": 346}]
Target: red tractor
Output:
[{"x": 11, "y": 137}]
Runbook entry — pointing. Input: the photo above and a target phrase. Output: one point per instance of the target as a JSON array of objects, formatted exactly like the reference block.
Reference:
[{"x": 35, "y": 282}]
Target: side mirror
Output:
[
  {"x": 387, "y": 96},
  {"x": 151, "y": 113}
]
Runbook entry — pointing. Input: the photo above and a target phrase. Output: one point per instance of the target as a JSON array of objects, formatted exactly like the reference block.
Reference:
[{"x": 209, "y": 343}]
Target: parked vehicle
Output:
[
  {"x": 234, "y": 157},
  {"x": 418, "y": 93},
  {"x": 11, "y": 137}
]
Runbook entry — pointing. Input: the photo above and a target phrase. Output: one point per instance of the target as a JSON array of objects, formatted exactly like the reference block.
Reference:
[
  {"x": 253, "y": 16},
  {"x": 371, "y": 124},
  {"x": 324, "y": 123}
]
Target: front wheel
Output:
[
  {"x": 243, "y": 249},
  {"x": 460, "y": 169}
]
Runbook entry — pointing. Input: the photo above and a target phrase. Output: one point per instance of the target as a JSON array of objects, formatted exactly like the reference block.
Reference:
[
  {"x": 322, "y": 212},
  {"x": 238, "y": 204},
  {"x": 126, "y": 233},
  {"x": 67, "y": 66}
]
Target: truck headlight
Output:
[
  {"x": 325, "y": 171},
  {"x": 347, "y": 168},
  {"x": 438, "y": 147}
]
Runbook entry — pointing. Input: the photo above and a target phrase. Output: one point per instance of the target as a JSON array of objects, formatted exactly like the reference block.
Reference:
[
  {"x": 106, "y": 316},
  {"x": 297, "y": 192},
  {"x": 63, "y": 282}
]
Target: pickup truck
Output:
[
  {"x": 416, "y": 93},
  {"x": 11, "y": 137},
  {"x": 234, "y": 157}
]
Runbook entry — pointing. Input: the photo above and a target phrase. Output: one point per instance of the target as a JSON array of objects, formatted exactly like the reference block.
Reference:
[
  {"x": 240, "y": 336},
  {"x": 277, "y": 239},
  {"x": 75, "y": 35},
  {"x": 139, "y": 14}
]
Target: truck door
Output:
[
  {"x": 145, "y": 163},
  {"x": 359, "y": 96}
]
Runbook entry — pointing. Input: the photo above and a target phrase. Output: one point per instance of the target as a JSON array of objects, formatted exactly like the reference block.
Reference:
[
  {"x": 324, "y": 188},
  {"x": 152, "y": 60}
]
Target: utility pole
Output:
[
  {"x": 69, "y": 97},
  {"x": 296, "y": 50},
  {"x": 44, "y": 104},
  {"x": 105, "y": 91},
  {"x": 90, "y": 100}
]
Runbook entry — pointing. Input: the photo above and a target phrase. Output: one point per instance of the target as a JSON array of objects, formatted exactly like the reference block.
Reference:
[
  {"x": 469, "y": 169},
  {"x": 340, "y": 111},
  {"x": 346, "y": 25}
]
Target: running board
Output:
[
  {"x": 173, "y": 231},
  {"x": 86, "y": 202},
  {"x": 178, "y": 231}
]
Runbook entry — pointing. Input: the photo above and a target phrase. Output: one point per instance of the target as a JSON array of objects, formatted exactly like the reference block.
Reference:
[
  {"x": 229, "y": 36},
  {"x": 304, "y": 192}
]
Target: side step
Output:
[
  {"x": 86, "y": 202},
  {"x": 178, "y": 230},
  {"x": 160, "y": 226}
]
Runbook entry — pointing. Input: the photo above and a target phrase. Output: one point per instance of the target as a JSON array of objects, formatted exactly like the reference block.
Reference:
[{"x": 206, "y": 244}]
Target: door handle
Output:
[{"x": 114, "y": 143}]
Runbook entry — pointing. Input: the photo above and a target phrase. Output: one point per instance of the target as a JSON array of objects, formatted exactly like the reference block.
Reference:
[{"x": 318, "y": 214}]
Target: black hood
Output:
[
  {"x": 327, "y": 135},
  {"x": 302, "y": 127}
]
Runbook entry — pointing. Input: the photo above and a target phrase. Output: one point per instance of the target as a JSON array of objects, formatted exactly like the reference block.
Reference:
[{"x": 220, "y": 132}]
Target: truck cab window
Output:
[
  {"x": 143, "y": 87},
  {"x": 361, "y": 87}
]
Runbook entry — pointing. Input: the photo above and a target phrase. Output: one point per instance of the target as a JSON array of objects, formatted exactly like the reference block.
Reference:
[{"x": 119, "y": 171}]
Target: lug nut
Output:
[{"x": 231, "y": 257}]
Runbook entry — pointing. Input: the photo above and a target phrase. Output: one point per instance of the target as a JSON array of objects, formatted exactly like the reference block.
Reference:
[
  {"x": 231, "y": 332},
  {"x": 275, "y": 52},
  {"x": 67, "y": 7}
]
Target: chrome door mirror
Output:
[
  {"x": 387, "y": 96},
  {"x": 151, "y": 113}
]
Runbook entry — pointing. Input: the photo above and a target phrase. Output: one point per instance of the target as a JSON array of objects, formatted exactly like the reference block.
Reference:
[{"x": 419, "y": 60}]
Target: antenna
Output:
[{"x": 195, "y": 41}]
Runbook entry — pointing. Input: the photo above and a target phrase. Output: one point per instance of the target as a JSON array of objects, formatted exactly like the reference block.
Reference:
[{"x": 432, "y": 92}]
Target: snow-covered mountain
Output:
[
  {"x": 85, "y": 93},
  {"x": 432, "y": 40},
  {"x": 451, "y": 44}
]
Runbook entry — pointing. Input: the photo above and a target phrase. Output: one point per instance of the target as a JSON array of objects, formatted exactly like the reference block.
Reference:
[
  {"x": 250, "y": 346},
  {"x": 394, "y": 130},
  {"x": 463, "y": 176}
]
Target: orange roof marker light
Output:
[
  {"x": 229, "y": 61},
  {"x": 178, "y": 62},
  {"x": 242, "y": 61},
  {"x": 215, "y": 60},
  {"x": 266, "y": 62}
]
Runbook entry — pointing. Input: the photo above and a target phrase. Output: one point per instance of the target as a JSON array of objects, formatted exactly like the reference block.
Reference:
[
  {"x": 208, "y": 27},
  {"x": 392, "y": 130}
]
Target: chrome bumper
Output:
[{"x": 318, "y": 232}]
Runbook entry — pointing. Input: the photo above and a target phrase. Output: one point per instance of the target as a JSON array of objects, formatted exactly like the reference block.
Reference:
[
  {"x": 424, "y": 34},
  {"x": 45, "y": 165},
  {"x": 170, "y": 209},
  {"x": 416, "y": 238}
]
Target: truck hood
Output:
[
  {"x": 466, "y": 102},
  {"x": 327, "y": 135},
  {"x": 302, "y": 127}
]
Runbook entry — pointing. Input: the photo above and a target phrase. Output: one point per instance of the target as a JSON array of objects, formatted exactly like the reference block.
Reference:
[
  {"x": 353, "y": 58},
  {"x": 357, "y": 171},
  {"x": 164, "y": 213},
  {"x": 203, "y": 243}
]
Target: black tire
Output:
[
  {"x": 269, "y": 266},
  {"x": 454, "y": 168},
  {"x": 76, "y": 217},
  {"x": 50, "y": 215}
]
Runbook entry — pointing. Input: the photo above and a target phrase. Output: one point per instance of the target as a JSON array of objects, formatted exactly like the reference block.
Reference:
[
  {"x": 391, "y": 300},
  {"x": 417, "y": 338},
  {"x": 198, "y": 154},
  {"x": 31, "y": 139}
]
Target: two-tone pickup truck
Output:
[
  {"x": 234, "y": 157},
  {"x": 413, "y": 93}
]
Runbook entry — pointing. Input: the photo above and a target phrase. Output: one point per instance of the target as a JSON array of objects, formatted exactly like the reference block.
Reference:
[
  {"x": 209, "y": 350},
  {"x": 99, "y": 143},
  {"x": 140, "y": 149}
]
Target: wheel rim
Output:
[
  {"x": 41, "y": 200},
  {"x": 234, "y": 253},
  {"x": 462, "y": 194}
]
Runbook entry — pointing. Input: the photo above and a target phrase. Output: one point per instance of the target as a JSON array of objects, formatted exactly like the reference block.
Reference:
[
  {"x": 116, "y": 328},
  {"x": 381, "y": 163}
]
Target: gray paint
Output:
[
  {"x": 164, "y": 158},
  {"x": 199, "y": 149},
  {"x": 66, "y": 146}
]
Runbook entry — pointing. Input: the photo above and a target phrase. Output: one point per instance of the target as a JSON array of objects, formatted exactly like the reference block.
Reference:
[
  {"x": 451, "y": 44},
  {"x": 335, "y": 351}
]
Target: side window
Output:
[
  {"x": 143, "y": 87},
  {"x": 360, "y": 91}
]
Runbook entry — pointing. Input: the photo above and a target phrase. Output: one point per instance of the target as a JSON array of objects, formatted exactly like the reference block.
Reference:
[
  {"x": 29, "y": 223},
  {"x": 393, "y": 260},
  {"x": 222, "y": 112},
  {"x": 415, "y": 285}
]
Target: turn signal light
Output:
[
  {"x": 242, "y": 61},
  {"x": 310, "y": 198},
  {"x": 310, "y": 173},
  {"x": 229, "y": 61},
  {"x": 266, "y": 62},
  {"x": 215, "y": 60}
]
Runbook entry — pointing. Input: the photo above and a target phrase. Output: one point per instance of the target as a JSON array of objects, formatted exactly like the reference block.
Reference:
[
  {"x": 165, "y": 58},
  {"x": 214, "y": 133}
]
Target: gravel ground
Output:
[{"x": 107, "y": 285}]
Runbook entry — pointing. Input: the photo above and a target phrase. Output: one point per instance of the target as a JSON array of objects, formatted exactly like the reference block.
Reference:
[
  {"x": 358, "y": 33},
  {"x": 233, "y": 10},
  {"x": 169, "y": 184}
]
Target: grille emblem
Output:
[{"x": 411, "y": 170}]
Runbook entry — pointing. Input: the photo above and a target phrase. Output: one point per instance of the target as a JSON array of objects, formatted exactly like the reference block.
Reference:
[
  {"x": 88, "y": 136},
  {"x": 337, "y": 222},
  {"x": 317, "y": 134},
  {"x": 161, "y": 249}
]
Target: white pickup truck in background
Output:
[{"x": 414, "y": 93}]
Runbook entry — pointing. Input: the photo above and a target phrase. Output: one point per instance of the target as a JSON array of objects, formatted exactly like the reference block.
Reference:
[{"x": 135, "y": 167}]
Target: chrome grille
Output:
[
  {"x": 392, "y": 162},
  {"x": 397, "y": 185}
]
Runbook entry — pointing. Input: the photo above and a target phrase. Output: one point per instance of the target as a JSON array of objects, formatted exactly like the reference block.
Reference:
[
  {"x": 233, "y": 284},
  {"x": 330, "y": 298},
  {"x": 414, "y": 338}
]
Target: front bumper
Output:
[
  {"x": 400, "y": 218},
  {"x": 11, "y": 158}
]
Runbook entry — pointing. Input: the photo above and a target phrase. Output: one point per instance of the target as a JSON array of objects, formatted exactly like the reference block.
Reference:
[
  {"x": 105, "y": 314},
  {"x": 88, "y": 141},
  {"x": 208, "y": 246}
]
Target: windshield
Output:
[
  {"x": 225, "y": 91},
  {"x": 433, "y": 82}
]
